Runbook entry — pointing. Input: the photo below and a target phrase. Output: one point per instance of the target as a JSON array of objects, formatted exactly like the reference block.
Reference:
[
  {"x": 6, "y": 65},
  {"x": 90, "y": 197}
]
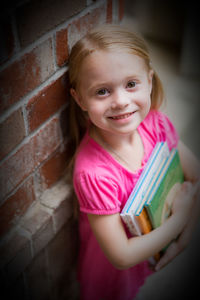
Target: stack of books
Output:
[{"x": 150, "y": 202}]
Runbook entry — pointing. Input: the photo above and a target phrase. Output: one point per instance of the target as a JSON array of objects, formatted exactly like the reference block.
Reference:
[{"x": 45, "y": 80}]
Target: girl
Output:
[{"x": 116, "y": 126}]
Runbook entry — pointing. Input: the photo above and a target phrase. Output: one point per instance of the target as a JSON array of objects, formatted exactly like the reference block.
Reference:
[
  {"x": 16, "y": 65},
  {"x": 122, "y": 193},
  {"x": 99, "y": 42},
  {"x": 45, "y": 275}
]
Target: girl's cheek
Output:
[{"x": 143, "y": 99}]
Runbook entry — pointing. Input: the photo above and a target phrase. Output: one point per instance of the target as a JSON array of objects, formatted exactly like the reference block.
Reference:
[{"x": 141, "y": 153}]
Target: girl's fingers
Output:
[
  {"x": 184, "y": 198},
  {"x": 169, "y": 255},
  {"x": 178, "y": 246}
]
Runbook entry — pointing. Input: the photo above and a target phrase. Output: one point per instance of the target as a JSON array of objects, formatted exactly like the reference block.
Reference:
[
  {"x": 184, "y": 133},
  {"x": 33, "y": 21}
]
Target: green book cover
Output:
[{"x": 164, "y": 190}]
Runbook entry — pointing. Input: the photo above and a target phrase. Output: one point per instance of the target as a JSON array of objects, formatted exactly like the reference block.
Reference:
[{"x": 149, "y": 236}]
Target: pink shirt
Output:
[{"x": 103, "y": 186}]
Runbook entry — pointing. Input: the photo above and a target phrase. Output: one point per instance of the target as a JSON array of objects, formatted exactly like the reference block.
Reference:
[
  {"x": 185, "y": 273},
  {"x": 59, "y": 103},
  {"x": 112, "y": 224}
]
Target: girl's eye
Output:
[
  {"x": 102, "y": 92},
  {"x": 131, "y": 84}
]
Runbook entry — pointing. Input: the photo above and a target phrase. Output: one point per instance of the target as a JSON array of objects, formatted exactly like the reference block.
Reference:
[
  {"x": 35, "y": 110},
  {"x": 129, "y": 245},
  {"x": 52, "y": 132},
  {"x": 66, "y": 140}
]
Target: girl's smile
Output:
[
  {"x": 114, "y": 88},
  {"x": 123, "y": 118}
]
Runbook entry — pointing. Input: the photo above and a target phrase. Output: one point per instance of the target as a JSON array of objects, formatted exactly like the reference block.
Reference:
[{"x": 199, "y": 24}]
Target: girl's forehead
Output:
[
  {"x": 99, "y": 59},
  {"x": 112, "y": 51},
  {"x": 110, "y": 66}
]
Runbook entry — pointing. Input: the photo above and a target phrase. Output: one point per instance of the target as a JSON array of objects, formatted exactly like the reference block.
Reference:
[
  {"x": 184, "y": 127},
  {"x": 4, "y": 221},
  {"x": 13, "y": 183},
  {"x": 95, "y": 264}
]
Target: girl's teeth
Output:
[{"x": 121, "y": 117}]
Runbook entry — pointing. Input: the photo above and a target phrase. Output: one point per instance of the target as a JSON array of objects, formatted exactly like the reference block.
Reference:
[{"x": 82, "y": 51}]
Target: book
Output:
[
  {"x": 166, "y": 186},
  {"x": 150, "y": 202}
]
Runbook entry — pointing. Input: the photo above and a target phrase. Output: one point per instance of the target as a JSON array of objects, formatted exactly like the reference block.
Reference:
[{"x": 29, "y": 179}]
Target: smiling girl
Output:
[{"x": 117, "y": 123}]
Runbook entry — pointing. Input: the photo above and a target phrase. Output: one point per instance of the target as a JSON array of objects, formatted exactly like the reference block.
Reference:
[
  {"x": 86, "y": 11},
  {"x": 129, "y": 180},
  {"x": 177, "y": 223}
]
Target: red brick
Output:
[
  {"x": 121, "y": 9},
  {"x": 54, "y": 168},
  {"x": 12, "y": 132},
  {"x": 25, "y": 74},
  {"x": 109, "y": 11},
  {"x": 81, "y": 26},
  {"x": 62, "y": 47},
  {"x": 35, "y": 18},
  {"x": 47, "y": 102},
  {"x": 17, "y": 167},
  {"x": 16, "y": 205}
]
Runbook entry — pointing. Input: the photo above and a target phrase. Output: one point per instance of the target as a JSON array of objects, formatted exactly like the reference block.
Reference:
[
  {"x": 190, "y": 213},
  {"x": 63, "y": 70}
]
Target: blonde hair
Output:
[{"x": 106, "y": 37}]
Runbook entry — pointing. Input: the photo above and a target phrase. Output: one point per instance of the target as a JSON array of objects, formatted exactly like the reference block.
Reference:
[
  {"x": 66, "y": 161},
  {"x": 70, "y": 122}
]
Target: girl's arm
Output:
[
  {"x": 123, "y": 252},
  {"x": 191, "y": 169},
  {"x": 189, "y": 162}
]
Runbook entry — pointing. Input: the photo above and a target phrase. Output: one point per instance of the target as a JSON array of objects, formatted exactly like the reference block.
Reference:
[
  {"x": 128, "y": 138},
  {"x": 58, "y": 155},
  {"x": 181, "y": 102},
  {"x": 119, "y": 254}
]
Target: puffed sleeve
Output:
[
  {"x": 96, "y": 194},
  {"x": 167, "y": 131}
]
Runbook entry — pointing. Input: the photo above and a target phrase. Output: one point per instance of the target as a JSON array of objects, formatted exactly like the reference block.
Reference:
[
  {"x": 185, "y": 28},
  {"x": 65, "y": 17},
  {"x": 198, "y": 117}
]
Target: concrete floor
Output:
[{"x": 180, "y": 277}]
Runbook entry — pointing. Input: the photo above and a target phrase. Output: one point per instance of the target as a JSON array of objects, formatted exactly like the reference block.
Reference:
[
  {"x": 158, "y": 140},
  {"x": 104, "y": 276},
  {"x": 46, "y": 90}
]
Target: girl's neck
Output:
[
  {"x": 128, "y": 150},
  {"x": 113, "y": 140}
]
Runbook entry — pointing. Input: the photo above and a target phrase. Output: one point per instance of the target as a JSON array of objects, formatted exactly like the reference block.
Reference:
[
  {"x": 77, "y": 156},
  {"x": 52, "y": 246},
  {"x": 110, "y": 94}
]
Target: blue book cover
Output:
[{"x": 149, "y": 203}]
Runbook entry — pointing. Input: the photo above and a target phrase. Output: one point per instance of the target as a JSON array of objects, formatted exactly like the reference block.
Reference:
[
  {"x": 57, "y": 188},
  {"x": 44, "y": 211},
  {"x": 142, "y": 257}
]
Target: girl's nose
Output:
[{"x": 119, "y": 100}]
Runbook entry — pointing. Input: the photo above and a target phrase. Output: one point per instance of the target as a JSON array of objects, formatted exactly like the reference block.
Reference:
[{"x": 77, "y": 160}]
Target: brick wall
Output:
[{"x": 38, "y": 235}]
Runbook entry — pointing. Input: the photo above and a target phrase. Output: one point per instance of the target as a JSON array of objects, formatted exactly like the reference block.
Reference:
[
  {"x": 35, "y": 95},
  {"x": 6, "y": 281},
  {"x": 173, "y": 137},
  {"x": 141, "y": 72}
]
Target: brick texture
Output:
[
  {"x": 121, "y": 9},
  {"x": 62, "y": 46},
  {"x": 16, "y": 205},
  {"x": 58, "y": 200},
  {"x": 38, "y": 231},
  {"x": 37, "y": 17},
  {"x": 39, "y": 224},
  {"x": 24, "y": 75},
  {"x": 12, "y": 132},
  {"x": 54, "y": 168},
  {"x": 79, "y": 27},
  {"x": 17, "y": 167},
  {"x": 47, "y": 102},
  {"x": 109, "y": 11}
]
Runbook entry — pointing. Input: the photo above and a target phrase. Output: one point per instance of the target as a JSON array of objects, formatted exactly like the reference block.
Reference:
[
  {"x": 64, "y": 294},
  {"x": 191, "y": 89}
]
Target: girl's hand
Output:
[
  {"x": 191, "y": 205},
  {"x": 183, "y": 202}
]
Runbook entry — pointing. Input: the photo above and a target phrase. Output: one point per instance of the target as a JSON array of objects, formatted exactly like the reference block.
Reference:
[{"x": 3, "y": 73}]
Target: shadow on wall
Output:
[{"x": 170, "y": 22}]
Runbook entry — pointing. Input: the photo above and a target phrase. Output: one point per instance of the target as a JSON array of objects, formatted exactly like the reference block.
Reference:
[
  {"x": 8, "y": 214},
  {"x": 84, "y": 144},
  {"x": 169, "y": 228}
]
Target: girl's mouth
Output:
[{"x": 121, "y": 117}]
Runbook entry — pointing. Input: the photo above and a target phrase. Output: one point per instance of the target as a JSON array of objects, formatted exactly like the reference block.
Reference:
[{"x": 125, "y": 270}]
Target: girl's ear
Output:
[
  {"x": 77, "y": 98},
  {"x": 150, "y": 78}
]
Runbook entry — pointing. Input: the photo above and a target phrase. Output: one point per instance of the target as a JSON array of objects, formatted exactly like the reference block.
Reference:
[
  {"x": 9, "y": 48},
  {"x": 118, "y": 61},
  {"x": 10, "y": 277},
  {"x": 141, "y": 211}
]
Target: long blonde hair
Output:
[{"x": 105, "y": 37}]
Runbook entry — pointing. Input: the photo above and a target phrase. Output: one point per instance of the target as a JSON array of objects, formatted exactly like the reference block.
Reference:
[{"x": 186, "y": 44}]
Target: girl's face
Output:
[{"x": 114, "y": 89}]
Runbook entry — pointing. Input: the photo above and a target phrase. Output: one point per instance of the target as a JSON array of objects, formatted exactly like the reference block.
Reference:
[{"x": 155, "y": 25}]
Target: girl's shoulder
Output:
[
  {"x": 157, "y": 122},
  {"x": 158, "y": 127},
  {"x": 95, "y": 178},
  {"x": 155, "y": 117}
]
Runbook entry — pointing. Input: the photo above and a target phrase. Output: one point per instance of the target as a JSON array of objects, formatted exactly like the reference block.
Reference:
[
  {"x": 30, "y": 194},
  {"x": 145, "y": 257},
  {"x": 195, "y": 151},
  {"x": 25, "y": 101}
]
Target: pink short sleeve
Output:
[
  {"x": 167, "y": 131},
  {"x": 96, "y": 194}
]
